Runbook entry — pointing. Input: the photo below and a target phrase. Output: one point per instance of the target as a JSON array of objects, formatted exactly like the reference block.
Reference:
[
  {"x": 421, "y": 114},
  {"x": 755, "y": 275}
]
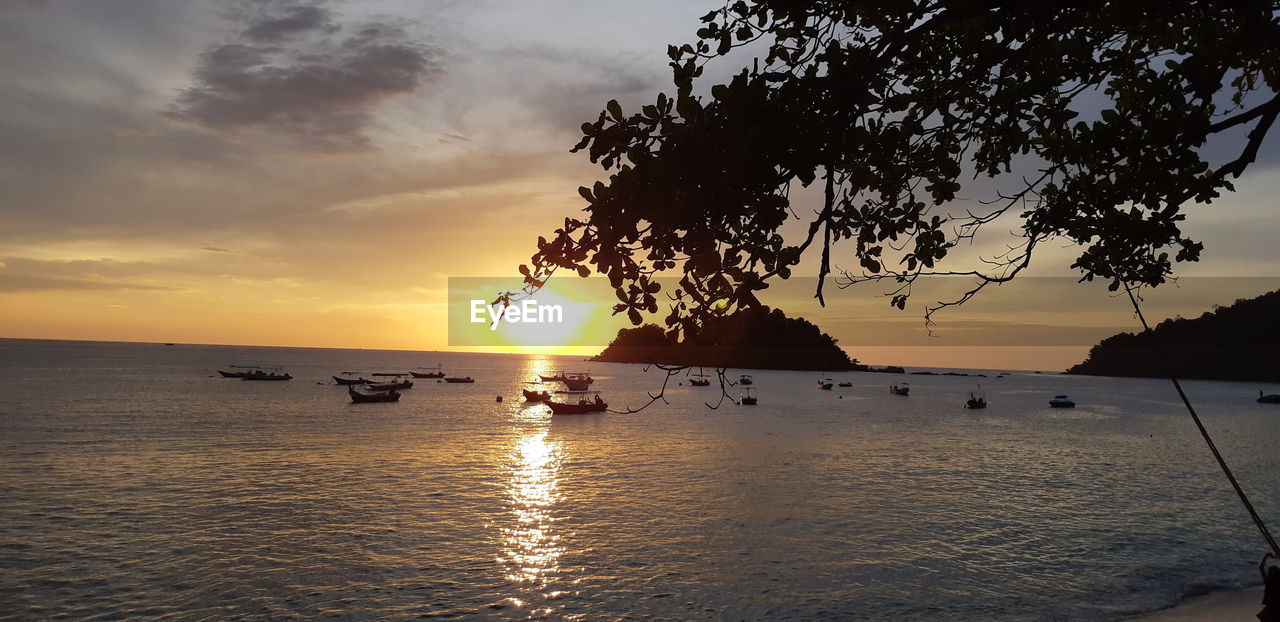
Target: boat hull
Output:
[
  {"x": 392, "y": 386},
  {"x": 467, "y": 380},
  {"x": 427, "y": 375},
  {"x": 232, "y": 374},
  {"x": 560, "y": 408},
  {"x": 535, "y": 396},
  {"x": 349, "y": 381},
  {"x": 367, "y": 398}
]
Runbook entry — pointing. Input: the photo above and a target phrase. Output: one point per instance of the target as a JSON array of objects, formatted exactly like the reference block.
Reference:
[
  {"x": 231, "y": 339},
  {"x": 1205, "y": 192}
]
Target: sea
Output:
[{"x": 135, "y": 483}]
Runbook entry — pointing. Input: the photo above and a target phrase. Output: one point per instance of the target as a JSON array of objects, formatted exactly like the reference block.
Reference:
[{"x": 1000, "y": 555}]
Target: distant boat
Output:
[
  {"x": 900, "y": 389},
  {"x": 348, "y": 380},
  {"x": 975, "y": 402},
  {"x": 168, "y": 344},
  {"x": 391, "y": 386},
  {"x": 390, "y": 373},
  {"x": 1061, "y": 401},
  {"x": 462, "y": 380},
  {"x": 265, "y": 375},
  {"x": 360, "y": 398},
  {"x": 699, "y": 379},
  {"x": 845, "y": 384},
  {"x": 581, "y": 407},
  {"x": 1273, "y": 398},
  {"x": 247, "y": 369},
  {"x": 745, "y": 380},
  {"x": 825, "y": 384},
  {"x": 535, "y": 396},
  {"x": 748, "y": 397},
  {"x": 578, "y": 381},
  {"x": 556, "y": 376},
  {"x": 436, "y": 373}
]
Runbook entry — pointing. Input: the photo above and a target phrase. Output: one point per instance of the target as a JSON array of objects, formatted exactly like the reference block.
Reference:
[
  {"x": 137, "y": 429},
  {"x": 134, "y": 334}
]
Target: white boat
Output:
[{"x": 825, "y": 384}]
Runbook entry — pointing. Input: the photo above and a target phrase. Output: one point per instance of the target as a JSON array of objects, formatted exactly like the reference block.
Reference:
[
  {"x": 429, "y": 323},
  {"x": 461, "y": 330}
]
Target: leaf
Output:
[{"x": 615, "y": 109}]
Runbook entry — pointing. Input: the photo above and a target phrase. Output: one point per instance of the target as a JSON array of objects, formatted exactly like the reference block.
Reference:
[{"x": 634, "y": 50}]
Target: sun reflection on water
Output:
[{"x": 532, "y": 546}]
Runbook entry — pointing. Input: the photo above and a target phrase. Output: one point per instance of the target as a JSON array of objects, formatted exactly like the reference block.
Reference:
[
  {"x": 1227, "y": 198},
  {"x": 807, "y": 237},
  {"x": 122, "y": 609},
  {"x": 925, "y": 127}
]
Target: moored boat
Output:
[
  {"x": 391, "y": 386},
  {"x": 846, "y": 384},
  {"x": 436, "y": 372},
  {"x": 825, "y": 384},
  {"x": 900, "y": 389},
  {"x": 460, "y": 380},
  {"x": 360, "y": 398},
  {"x": 535, "y": 396},
  {"x": 748, "y": 397},
  {"x": 581, "y": 407},
  {"x": 556, "y": 376},
  {"x": 745, "y": 380},
  {"x": 1061, "y": 401},
  {"x": 348, "y": 380},
  {"x": 1273, "y": 398},
  {"x": 266, "y": 375},
  {"x": 578, "y": 381},
  {"x": 699, "y": 379},
  {"x": 975, "y": 402},
  {"x": 241, "y": 371}
]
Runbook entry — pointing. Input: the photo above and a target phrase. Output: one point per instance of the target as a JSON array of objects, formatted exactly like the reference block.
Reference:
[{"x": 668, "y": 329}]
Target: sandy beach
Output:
[{"x": 1224, "y": 606}]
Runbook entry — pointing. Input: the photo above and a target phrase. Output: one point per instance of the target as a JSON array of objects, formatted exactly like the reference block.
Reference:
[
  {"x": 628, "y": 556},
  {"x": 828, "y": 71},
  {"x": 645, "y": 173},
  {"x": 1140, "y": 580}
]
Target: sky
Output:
[{"x": 312, "y": 173}]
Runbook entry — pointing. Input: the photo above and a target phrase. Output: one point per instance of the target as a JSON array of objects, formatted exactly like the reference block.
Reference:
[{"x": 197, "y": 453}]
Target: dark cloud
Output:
[
  {"x": 316, "y": 92},
  {"x": 290, "y": 21}
]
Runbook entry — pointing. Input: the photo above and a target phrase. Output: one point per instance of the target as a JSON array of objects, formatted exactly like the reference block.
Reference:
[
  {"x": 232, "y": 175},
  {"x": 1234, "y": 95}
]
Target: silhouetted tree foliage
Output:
[
  {"x": 757, "y": 338},
  {"x": 887, "y": 105},
  {"x": 1239, "y": 342}
]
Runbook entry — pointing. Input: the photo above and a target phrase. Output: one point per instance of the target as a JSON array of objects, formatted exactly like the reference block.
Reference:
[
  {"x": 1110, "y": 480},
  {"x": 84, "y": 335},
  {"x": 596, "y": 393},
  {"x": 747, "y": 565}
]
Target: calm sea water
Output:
[{"x": 134, "y": 484}]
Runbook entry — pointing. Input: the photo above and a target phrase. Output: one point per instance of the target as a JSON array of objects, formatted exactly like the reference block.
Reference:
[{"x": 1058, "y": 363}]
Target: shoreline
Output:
[{"x": 1217, "y": 606}]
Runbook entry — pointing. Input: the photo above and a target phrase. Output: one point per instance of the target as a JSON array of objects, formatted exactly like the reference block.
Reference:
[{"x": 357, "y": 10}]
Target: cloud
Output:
[
  {"x": 215, "y": 249},
  {"x": 290, "y": 21},
  {"x": 286, "y": 76},
  {"x": 12, "y": 283}
]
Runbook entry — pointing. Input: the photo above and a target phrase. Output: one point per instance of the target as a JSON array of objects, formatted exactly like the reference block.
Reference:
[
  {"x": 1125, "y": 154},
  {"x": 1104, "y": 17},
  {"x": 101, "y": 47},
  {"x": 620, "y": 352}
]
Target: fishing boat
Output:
[
  {"x": 390, "y": 373},
  {"x": 578, "y": 381},
  {"x": 1273, "y": 398},
  {"x": 459, "y": 379},
  {"x": 556, "y": 376},
  {"x": 748, "y": 397},
  {"x": 975, "y": 402},
  {"x": 348, "y": 380},
  {"x": 900, "y": 389},
  {"x": 699, "y": 379},
  {"x": 745, "y": 380},
  {"x": 846, "y": 384},
  {"x": 535, "y": 396},
  {"x": 266, "y": 375},
  {"x": 244, "y": 370},
  {"x": 434, "y": 372},
  {"x": 1061, "y": 401},
  {"x": 361, "y": 398},
  {"x": 825, "y": 384},
  {"x": 581, "y": 407},
  {"x": 391, "y": 386}
]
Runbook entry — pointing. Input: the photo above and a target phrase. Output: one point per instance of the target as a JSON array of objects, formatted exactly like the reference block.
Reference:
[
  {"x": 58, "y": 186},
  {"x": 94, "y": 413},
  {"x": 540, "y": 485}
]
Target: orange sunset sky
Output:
[{"x": 312, "y": 174}]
